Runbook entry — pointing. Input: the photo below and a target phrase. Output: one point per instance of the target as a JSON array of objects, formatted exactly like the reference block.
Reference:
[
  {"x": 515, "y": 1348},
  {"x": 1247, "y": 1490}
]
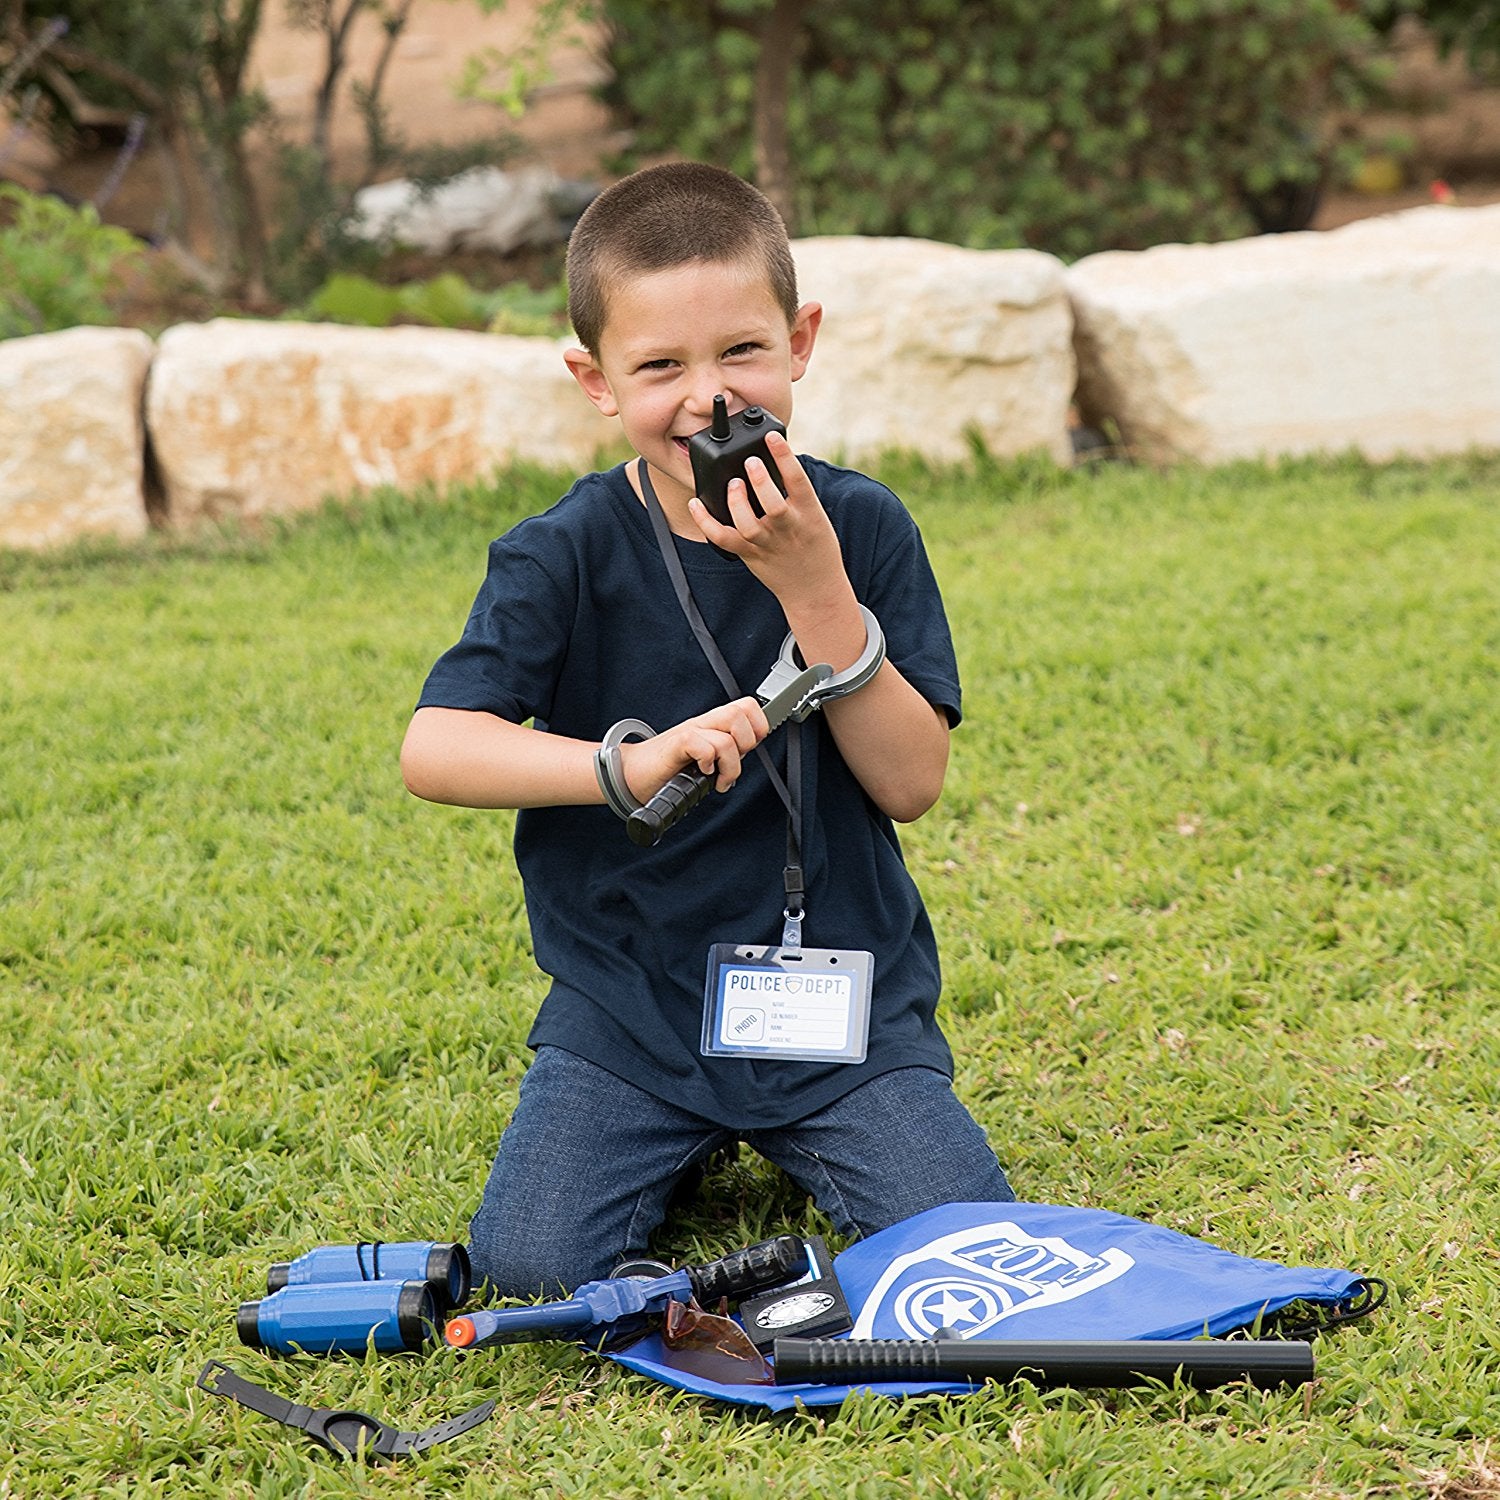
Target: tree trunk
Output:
[
  {"x": 395, "y": 24},
  {"x": 773, "y": 78},
  {"x": 223, "y": 101},
  {"x": 336, "y": 33}
]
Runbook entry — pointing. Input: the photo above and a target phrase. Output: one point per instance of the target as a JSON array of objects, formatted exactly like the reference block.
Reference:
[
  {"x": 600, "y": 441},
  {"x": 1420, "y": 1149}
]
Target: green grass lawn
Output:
[{"x": 1215, "y": 879}]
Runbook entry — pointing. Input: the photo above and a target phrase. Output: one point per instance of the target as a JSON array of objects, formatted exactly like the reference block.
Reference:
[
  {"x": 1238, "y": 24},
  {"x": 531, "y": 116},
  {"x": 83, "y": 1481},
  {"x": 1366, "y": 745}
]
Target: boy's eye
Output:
[
  {"x": 658, "y": 364},
  {"x": 748, "y": 347}
]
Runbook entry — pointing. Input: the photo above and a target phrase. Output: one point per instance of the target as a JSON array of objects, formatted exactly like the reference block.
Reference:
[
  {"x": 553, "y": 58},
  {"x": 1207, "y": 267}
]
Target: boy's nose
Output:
[{"x": 700, "y": 400}]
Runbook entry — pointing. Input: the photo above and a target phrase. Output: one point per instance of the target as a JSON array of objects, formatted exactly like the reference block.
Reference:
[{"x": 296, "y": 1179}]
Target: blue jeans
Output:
[{"x": 588, "y": 1162}]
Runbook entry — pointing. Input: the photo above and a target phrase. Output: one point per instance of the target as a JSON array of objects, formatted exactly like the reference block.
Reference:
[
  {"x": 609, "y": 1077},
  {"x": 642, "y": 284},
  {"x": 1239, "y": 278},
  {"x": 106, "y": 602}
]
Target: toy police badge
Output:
[{"x": 813, "y": 1307}]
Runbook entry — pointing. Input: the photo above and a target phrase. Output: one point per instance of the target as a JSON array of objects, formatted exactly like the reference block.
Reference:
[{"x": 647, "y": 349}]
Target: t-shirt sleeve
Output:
[
  {"x": 904, "y": 595},
  {"x": 508, "y": 659}
]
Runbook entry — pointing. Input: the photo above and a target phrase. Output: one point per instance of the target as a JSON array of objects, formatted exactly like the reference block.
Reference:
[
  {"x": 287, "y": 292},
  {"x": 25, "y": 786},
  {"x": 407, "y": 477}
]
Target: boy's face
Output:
[{"x": 675, "y": 339}]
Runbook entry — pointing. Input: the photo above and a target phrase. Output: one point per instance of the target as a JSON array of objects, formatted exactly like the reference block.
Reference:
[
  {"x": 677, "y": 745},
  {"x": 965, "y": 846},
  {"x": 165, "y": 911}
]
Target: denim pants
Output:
[{"x": 588, "y": 1162}]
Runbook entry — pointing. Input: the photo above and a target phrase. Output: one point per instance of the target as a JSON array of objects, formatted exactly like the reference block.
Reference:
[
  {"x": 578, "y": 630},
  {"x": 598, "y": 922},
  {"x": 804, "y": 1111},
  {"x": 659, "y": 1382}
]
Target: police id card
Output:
[{"x": 805, "y": 1004}]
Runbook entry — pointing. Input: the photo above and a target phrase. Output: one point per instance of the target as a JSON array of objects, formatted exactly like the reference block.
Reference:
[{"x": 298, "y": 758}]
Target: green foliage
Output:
[
  {"x": 185, "y": 64},
  {"x": 347, "y": 298},
  {"x": 58, "y": 265},
  {"x": 538, "y": 311},
  {"x": 1068, "y": 128},
  {"x": 314, "y": 217},
  {"x": 443, "y": 301},
  {"x": 1471, "y": 27},
  {"x": 1213, "y": 878},
  {"x": 505, "y": 76}
]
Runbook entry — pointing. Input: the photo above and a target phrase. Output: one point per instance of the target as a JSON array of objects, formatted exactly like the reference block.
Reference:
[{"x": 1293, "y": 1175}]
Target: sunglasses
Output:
[{"x": 711, "y": 1345}]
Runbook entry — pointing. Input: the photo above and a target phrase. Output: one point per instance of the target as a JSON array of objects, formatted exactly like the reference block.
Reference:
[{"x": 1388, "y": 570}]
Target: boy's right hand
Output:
[{"x": 715, "y": 742}]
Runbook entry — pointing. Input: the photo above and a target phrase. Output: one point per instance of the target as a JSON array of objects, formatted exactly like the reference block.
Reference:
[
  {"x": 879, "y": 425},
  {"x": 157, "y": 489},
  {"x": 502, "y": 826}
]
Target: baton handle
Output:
[
  {"x": 1078, "y": 1362},
  {"x": 670, "y": 805},
  {"x": 745, "y": 1272}
]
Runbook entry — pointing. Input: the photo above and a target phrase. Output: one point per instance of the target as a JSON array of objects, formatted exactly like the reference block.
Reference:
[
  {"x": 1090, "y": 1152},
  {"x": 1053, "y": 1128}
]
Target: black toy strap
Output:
[
  {"x": 348, "y": 1434},
  {"x": 790, "y": 790},
  {"x": 1362, "y": 1298}
]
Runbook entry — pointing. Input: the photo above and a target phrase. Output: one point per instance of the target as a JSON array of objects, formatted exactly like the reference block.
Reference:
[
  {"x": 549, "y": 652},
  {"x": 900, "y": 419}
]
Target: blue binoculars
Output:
[
  {"x": 339, "y": 1299},
  {"x": 445, "y": 1268}
]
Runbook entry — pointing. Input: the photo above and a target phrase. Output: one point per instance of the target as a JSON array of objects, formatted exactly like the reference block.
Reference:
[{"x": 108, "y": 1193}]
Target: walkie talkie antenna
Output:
[{"x": 720, "y": 429}]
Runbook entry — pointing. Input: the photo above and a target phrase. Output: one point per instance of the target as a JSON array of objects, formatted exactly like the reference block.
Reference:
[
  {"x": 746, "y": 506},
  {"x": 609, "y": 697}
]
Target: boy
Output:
[{"x": 682, "y": 287}]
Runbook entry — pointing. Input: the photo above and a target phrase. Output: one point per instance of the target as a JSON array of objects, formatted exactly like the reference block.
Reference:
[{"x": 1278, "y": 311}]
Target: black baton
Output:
[{"x": 1078, "y": 1362}]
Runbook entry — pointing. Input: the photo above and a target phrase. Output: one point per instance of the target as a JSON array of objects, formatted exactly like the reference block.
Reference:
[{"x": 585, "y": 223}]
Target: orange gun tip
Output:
[{"x": 459, "y": 1333}]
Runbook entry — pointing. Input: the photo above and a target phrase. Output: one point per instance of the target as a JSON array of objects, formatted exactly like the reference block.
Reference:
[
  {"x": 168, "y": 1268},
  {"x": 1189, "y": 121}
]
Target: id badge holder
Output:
[{"x": 787, "y": 1003}]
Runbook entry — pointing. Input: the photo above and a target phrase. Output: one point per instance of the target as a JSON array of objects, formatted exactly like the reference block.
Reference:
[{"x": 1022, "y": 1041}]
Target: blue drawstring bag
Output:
[{"x": 1038, "y": 1271}]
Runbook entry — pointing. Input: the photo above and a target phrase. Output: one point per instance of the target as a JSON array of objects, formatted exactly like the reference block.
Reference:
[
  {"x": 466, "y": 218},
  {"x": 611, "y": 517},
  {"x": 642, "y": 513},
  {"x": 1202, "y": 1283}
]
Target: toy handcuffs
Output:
[{"x": 789, "y": 691}]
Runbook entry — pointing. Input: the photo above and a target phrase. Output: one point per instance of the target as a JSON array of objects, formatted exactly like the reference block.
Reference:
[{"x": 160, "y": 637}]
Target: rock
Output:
[
  {"x": 253, "y": 419},
  {"x": 1382, "y": 336},
  {"x": 924, "y": 342},
  {"x": 481, "y": 209},
  {"x": 72, "y": 443}
]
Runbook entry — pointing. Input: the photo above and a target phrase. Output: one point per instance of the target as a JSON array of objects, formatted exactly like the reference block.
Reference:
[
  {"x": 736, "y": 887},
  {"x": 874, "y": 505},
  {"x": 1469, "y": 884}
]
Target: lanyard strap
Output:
[{"x": 790, "y": 790}]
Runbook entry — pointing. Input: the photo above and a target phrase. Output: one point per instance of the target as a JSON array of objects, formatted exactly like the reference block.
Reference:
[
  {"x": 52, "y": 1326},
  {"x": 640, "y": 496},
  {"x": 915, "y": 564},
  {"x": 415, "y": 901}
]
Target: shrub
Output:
[
  {"x": 442, "y": 301},
  {"x": 1098, "y": 124},
  {"x": 58, "y": 265},
  {"x": 1471, "y": 27}
]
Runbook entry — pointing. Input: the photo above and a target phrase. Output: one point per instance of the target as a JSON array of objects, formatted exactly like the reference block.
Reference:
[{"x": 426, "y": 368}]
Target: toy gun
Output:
[{"x": 605, "y": 1304}]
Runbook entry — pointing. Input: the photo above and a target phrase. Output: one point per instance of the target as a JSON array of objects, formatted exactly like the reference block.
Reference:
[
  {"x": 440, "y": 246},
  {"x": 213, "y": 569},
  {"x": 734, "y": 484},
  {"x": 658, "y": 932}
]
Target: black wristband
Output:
[{"x": 345, "y": 1433}]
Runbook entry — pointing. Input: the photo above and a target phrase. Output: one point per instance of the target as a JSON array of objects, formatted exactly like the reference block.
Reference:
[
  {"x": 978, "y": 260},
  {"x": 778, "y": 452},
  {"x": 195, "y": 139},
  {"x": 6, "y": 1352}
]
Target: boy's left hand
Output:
[{"x": 792, "y": 548}]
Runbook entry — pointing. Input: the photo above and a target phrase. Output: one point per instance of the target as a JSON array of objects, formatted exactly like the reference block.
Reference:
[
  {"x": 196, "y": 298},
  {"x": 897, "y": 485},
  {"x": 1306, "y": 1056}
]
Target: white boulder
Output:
[
  {"x": 923, "y": 343},
  {"x": 484, "y": 208},
  {"x": 1382, "y": 336},
  {"x": 254, "y": 419},
  {"x": 72, "y": 443}
]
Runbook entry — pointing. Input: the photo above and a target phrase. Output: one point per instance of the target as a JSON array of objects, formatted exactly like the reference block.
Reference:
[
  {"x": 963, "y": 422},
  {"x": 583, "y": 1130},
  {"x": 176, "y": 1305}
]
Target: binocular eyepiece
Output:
[{"x": 338, "y": 1299}]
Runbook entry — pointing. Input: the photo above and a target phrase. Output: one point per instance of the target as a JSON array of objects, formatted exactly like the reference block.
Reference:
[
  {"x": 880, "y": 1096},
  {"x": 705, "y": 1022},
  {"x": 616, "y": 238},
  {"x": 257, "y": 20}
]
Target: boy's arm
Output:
[
  {"x": 892, "y": 738},
  {"x": 473, "y": 759}
]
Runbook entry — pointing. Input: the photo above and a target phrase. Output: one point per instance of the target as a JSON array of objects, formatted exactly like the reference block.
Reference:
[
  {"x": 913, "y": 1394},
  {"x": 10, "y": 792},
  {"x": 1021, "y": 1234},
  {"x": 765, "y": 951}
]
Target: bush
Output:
[
  {"x": 1099, "y": 124},
  {"x": 443, "y": 301},
  {"x": 1471, "y": 27},
  {"x": 58, "y": 265}
]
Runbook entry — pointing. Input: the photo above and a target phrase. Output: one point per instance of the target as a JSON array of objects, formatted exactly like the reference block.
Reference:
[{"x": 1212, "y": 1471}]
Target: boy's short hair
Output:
[{"x": 667, "y": 216}]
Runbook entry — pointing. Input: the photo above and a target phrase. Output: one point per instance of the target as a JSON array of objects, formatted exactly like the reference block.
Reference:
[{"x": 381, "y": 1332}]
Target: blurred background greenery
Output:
[{"x": 232, "y": 138}]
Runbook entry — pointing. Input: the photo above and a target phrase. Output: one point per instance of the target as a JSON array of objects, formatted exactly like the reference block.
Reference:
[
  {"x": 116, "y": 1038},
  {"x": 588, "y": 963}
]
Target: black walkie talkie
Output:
[{"x": 719, "y": 453}]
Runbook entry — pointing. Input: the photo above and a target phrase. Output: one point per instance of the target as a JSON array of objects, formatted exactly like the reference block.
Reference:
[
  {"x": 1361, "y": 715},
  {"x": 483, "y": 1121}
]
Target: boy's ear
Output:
[
  {"x": 804, "y": 335},
  {"x": 591, "y": 378}
]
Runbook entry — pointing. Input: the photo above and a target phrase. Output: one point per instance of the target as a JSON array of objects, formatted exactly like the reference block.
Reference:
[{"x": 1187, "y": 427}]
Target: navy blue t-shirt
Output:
[{"x": 577, "y": 626}]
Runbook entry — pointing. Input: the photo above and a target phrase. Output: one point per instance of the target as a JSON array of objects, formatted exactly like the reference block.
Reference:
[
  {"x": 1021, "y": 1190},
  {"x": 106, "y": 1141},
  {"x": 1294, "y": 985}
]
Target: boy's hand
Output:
[
  {"x": 792, "y": 548},
  {"x": 715, "y": 741}
]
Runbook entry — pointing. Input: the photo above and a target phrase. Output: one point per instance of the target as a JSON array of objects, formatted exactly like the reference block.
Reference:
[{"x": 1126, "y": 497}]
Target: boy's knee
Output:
[{"x": 516, "y": 1257}]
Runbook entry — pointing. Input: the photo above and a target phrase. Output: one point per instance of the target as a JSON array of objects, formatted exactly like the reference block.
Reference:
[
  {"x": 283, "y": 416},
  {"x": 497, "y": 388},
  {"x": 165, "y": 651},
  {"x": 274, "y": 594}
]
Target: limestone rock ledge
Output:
[
  {"x": 72, "y": 442},
  {"x": 253, "y": 419},
  {"x": 1382, "y": 336},
  {"x": 923, "y": 342}
]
